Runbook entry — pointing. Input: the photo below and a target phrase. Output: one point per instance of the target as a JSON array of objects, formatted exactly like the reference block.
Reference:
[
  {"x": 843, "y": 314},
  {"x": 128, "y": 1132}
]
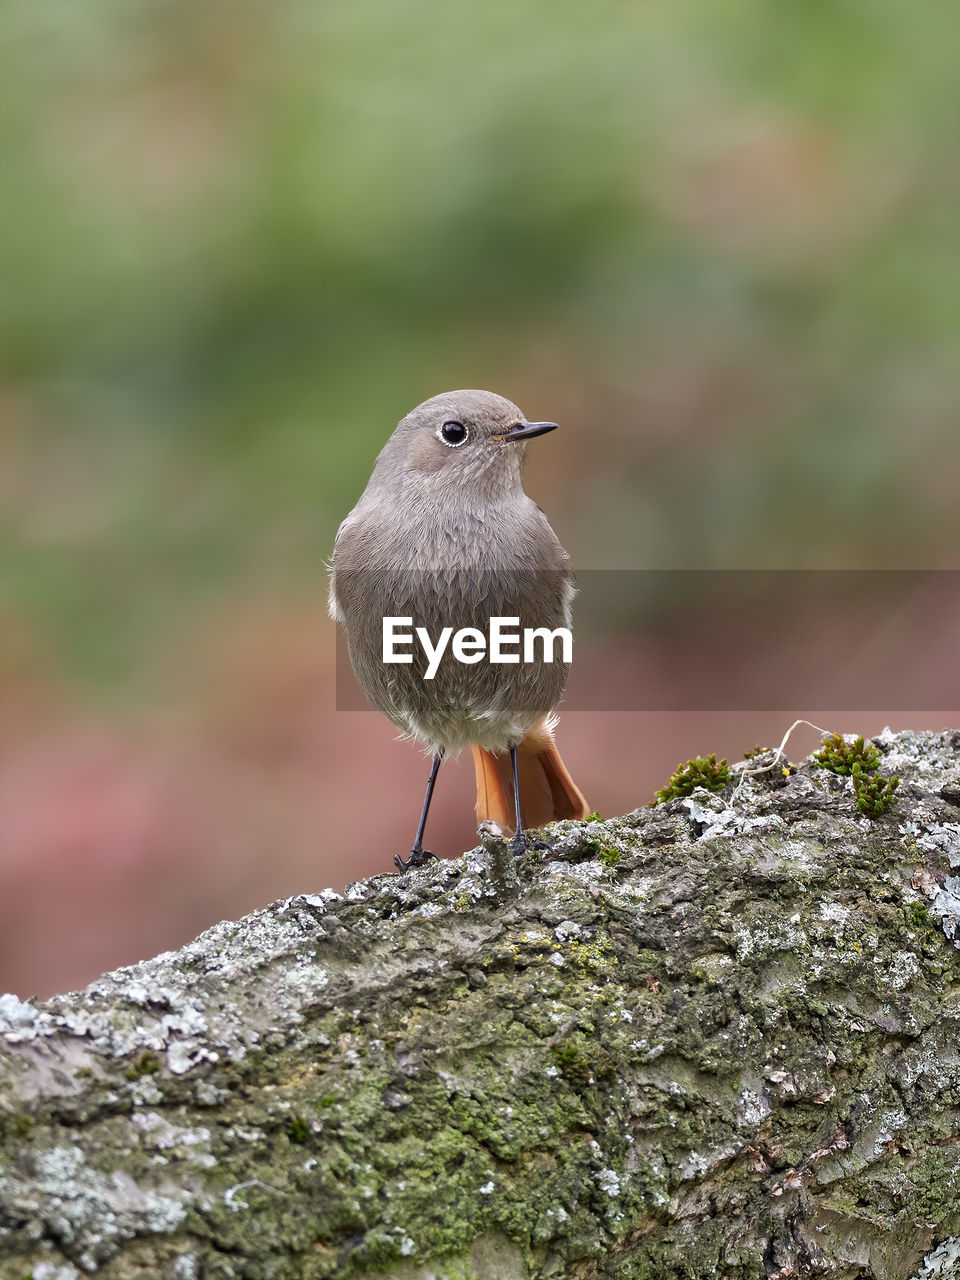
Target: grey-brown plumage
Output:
[{"x": 445, "y": 535}]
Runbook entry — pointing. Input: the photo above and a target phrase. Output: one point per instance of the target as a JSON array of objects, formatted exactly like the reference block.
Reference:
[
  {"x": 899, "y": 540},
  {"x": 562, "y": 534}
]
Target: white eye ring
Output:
[{"x": 454, "y": 429}]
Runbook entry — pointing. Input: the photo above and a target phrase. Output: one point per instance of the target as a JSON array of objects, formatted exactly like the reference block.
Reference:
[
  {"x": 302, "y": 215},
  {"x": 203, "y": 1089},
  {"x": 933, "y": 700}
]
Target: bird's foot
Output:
[
  {"x": 522, "y": 842},
  {"x": 417, "y": 858}
]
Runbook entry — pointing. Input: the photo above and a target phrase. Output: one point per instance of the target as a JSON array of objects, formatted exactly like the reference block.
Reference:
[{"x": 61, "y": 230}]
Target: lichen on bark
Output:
[{"x": 715, "y": 1038}]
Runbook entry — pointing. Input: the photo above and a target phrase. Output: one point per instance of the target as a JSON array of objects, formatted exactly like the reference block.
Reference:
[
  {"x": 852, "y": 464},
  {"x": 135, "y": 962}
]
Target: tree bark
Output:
[{"x": 714, "y": 1038}]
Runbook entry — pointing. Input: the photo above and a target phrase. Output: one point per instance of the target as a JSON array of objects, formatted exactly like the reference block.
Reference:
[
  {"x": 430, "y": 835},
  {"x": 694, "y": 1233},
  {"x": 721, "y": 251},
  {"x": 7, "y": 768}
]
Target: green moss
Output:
[
  {"x": 23, "y": 1125},
  {"x": 860, "y": 761},
  {"x": 595, "y": 955},
  {"x": 581, "y": 1064},
  {"x": 146, "y": 1065},
  {"x": 607, "y": 854},
  {"x": 839, "y": 756},
  {"x": 571, "y": 1063},
  {"x": 298, "y": 1129},
  {"x": 699, "y": 772},
  {"x": 918, "y": 915},
  {"x": 874, "y": 795}
]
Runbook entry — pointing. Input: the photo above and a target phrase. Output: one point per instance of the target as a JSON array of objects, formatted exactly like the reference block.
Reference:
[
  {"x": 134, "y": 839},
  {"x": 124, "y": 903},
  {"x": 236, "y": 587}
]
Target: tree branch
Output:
[{"x": 715, "y": 1038}]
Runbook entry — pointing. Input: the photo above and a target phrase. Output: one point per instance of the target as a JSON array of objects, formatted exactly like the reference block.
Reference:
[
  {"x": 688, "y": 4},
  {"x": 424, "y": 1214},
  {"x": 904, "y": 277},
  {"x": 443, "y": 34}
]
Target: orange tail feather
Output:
[{"x": 547, "y": 792}]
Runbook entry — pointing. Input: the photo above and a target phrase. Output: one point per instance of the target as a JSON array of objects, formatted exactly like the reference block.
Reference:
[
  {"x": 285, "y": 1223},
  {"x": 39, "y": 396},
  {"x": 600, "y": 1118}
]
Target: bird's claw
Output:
[
  {"x": 523, "y": 843},
  {"x": 417, "y": 858}
]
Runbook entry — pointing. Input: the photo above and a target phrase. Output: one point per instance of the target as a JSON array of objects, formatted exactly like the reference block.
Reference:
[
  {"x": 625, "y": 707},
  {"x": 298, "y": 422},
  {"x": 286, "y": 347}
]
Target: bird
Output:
[{"x": 443, "y": 536}]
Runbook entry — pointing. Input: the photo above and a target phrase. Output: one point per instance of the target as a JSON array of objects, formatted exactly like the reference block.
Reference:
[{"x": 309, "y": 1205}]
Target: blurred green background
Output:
[{"x": 239, "y": 240}]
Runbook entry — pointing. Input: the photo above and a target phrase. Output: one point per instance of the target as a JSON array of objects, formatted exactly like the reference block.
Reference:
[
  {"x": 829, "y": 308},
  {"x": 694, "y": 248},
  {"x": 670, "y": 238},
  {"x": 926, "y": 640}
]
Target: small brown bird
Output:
[{"x": 444, "y": 537}]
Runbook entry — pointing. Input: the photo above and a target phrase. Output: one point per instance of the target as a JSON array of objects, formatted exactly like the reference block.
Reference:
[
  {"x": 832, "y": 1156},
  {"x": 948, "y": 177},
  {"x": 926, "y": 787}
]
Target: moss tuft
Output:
[
  {"x": 582, "y": 1065},
  {"x": 147, "y": 1064},
  {"x": 874, "y": 795},
  {"x": 23, "y": 1124},
  {"x": 605, "y": 853},
  {"x": 298, "y": 1129},
  {"x": 918, "y": 915},
  {"x": 699, "y": 772},
  {"x": 839, "y": 756}
]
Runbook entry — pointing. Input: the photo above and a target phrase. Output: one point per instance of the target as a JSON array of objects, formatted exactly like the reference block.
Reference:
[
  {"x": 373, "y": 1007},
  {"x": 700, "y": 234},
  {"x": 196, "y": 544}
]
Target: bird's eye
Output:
[{"x": 453, "y": 433}]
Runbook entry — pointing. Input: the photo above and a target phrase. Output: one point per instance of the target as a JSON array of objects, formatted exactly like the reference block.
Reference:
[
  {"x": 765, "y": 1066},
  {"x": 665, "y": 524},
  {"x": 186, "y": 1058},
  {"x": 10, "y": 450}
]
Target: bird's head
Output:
[{"x": 465, "y": 440}]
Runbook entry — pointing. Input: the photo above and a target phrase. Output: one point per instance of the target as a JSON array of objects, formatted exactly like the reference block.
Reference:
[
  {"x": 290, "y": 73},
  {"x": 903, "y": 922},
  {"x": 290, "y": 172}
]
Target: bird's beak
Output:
[{"x": 526, "y": 431}]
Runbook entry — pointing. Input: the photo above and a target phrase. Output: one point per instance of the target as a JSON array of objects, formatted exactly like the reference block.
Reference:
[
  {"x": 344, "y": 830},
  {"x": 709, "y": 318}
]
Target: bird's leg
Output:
[
  {"x": 419, "y": 855},
  {"x": 519, "y": 842}
]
